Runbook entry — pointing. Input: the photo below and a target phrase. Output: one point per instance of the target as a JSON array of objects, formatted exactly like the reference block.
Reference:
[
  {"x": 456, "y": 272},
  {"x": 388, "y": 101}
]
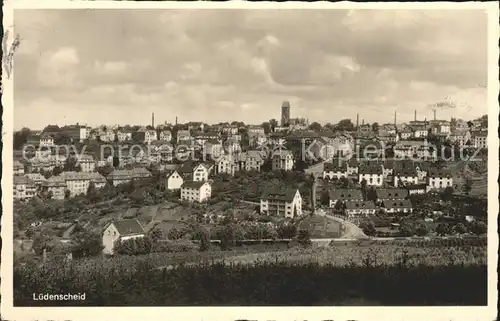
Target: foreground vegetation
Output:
[{"x": 337, "y": 275}]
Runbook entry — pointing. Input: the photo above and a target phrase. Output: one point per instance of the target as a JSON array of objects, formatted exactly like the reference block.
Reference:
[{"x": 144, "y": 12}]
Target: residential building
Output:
[
  {"x": 123, "y": 176},
  {"x": 405, "y": 177},
  {"x": 201, "y": 138},
  {"x": 77, "y": 133},
  {"x": 46, "y": 140},
  {"x": 257, "y": 140},
  {"x": 460, "y": 137},
  {"x": 37, "y": 178},
  {"x": 232, "y": 146},
  {"x": 440, "y": 126},
  {"x": 227, "y": 164},
  {"x": 344, "y": 195},
  {"x": 18, "y": 168},
  {"x": 335, "y": 170},
  {"x": 56, "y": 186},
  {"x": 287, "y": 203},
  {"x": 417, "y": 189},
  {"x": 230, "y": 130},
  {"x": 166, "y": 135},
  {"x": 87, "y": 163},
  {"x": 52, "y": 130},
  {"x": 373, "y": 175},
  {"x": 195, "y": 126},
  {"x": 352, "y": 166},
  {"x": 397, "y": 206},
  {"x": 120, "y": 231},
  {"x": 124, "y": 135},
  {"x": 252, "y": 160},
  {"x": 174, "y": 181},
  {"x": 388, "y": 138},
  {"x": 480, "y": 139},
  {"x": 282, "y": 160},
  {"x": 213, "y": 148},
  {"x": 106, "y": 134},
  {"x": 201, "y": 172},
  {"x": 414, "y": 150},
  {"x": 196, "y": 191},
  {"x": 438, "y": 180},
  {"x": 388, "y": 128},
  {"x": 359, "y": 209},
  {"x": 405, "y": 133},
  {"x": 78, "y": 182},
  {"x": 24, "y": 188},
  {"x": 384, "y": 194},
  {"x": 258, "y": 130},
  {"x": 183, "y": 135}
]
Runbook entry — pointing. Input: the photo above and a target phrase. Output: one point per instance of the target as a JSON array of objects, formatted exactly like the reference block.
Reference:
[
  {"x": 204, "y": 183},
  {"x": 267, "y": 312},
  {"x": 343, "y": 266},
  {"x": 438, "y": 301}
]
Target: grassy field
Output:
[
  {"x": 321, "y": 227},
  {"x": 344, "y": 275}
]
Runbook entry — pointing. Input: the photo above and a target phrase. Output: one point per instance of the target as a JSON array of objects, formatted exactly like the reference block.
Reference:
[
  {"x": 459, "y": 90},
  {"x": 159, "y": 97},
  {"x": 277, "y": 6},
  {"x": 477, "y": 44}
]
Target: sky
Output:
[{"x": 110, "y": 66}]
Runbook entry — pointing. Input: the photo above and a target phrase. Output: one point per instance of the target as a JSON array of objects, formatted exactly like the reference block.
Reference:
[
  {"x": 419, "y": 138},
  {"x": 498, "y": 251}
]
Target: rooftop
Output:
[
  {"x": 129, "y": 227},
  {"x": 192, "y": 184},
  {"x": 286, "y": 195}
]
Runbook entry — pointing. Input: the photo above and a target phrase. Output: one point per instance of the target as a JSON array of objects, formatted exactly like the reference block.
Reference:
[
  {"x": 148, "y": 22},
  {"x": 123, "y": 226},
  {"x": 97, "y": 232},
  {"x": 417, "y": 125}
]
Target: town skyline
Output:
[{"x": 125, "y": 73}]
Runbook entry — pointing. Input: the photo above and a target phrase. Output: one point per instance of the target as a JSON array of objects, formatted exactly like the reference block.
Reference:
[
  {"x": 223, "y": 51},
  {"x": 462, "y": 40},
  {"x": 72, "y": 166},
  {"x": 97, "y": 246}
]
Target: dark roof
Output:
[
  {"x": 129, "y": 227},
  {"x": 439, "y": 174},
  {"x": 23, "y": 180},
  {"x": 192, "y": 184},
  {"x": 370, "y": 170},
  {"x": 360, "y": 205},
  {"x": 186, "y": 168},
  {"x": 406, "y": 172},
  {"x": 345, "y": 194},
  {"x": 52, "y": 129},
  {"x": 329, "y": 167},
  {"x": 416, "y": 186},
  {"x": 391, "y": 193},
  {"x": 282, "y": 195},
  {"x": 397, "y": 204}
]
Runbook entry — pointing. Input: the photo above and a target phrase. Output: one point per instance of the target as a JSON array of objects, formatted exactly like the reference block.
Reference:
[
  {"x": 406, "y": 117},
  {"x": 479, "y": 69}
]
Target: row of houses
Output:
[{"x": 397, "y": 173}]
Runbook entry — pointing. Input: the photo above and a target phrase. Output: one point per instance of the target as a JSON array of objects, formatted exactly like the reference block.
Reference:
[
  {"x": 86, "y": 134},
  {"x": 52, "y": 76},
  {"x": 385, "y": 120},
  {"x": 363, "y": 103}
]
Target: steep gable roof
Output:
[{"x": 129, "y": 227}]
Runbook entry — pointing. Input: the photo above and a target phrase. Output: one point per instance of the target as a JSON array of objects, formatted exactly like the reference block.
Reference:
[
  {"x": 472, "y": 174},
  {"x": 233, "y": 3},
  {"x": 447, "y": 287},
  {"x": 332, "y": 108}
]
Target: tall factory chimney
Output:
[
  {"x": 415, "y": 117},
  {"x": 395, "y": 123},
  {"x": 176, "y": 120},
  {"x": 362, "y": 121},
  {"x": 434, "y": 114},
  {"x": 357, "y": 121},
  {"x": 153, "y": 120}
]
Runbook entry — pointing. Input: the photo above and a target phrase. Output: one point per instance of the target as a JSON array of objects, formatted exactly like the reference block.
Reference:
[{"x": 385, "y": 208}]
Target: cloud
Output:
[{"x": 222, "y": 65}]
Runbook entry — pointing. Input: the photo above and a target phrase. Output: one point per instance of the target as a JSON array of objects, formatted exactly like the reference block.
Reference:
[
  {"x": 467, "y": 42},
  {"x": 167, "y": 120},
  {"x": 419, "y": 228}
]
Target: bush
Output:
[
  {"x": 304, "y": 238},
  {"x": 135, "y": 246},
  {"x": 175, "y": 246},
  {"x": 369, "y": 228}
]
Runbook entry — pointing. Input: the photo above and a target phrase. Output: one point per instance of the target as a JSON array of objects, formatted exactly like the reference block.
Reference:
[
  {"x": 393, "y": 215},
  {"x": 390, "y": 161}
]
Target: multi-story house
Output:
[
  {"x": 417, "y": 189},
  {"x": 201, "y": 138},
  {"x": 174, "y": 181},
  {"x": 480, "y": 139},
  {"x": 344, "y": 195},
  {"x": 414, "y": 150},
  {"x": 252, "y": 160},
  {"x": 56, "y": 186},
  {"x": 232, "y": 146},
  {"x": 120, "y": 231},
  {"x": 287, "y": 203},
  {"x": 37, "y": 178},
  {"x": 257, "y": 140},
  {"x": 106, "y": 135},
  {"x": 460, "y": 137},
  {"x": 358, "y": 209},
  {"x": 195, "y": 191},
  {"x": 405, "y": 177},
  {"x": 196, "y": 126},
  {"x": 258, "y": 130},
  {"x": 227, "y": 164},
  {"x": 352, "y": 166},
  {"x": 18, "y": 168},
  {"x": 282, "y": 160},
  {"x": 183, "y": 135},
  {"x": 437, "y": 180},
  {"x": 123, "y": 176},
  {"x": 405, "y": 133},
  {"x": 384, "y": 194},
  {"x": 202, "y": 171},
  {"x": 335, "y": 170},
  {"x": 440, "y": 126},
  {"x": 213, "y": 148},
  {"x": 87, "y": 163},
  {"x": 78, "y": 182},
  {"x": 124, "y": 135},
  {"x": 397, "y": 206},
  {"x": 46, "y": 140},
  {"x": 166, "y": 135},
  {"x": 24, "y": 188},
  {"x": 372, "y": 175},
  {"x": 230, "y": 130},
  {"x": 77, "y": 133},
  {"x": 388, "y": 138},
  {"x": 388, "y": 128}
]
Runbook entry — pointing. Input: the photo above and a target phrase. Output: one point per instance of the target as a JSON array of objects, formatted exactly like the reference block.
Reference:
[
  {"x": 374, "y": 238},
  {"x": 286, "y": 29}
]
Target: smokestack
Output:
[
  {"x": 176, "y": 120},
  {"x": 395, "y": 123},
  {"x": 153, "y": 120},
  {"x": 434, "y": 114},
  {"x": 425, "y": 123},
  {"x": 415, "y": 117},
  {"x": 363, "y": 121},
  {"x": 357, "y": 121}
]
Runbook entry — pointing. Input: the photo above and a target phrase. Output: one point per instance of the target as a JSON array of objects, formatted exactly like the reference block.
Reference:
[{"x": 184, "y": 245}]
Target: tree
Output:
[
  {"x": 273, "y": 123},
  {"x": 447, "y": 194},
  {"x": 86, "y": 244},
  {"x": 156, "y": 234},
  {"x": 369, "y": 229},
  {"x": 286, "y": 230},
  {"x": 478, "y": 228},
  {"x": 407, "y": 229},
  {"x": 304, "y": 238},
  {"x": 345, "y": 124},
  {"x": 460, "y": 228},
  {"x": 375, "y": 127},
  {"x": 315, "y": 126},
  {"x": 442, "y": 229},
  {"x": 363, "y": 188},
  {"x": 422, "y": 230}
]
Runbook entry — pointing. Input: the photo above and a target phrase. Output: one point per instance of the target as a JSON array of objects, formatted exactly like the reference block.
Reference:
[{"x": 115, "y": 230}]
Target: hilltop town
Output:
[{"x": 268, "y": 181}]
